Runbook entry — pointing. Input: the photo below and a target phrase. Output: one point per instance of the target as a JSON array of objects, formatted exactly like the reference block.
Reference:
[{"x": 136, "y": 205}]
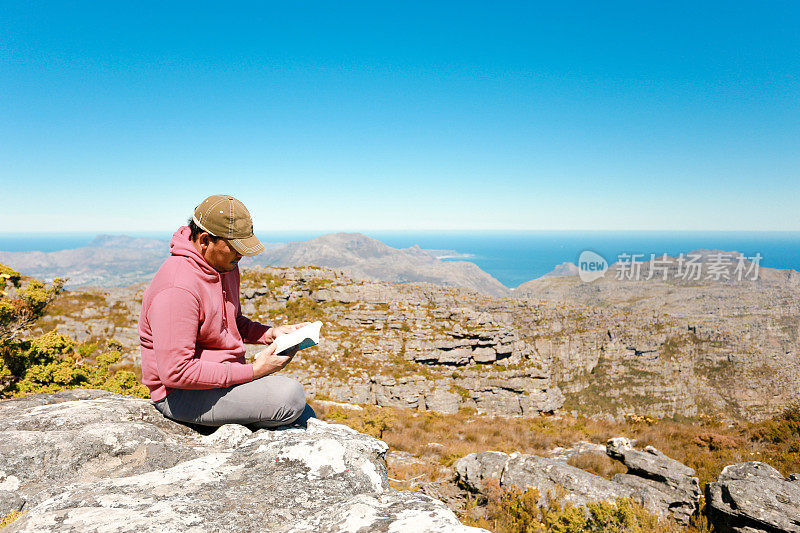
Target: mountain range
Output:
[
  {"x": 119, "y": 260},
  {"x": 116, "y": 261}
]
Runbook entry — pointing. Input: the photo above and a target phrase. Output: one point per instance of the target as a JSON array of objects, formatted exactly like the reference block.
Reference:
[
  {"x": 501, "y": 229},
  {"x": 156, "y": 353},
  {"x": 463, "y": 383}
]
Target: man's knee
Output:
[
  {"x": 297, "y": 399},
  {"x": 293, "y": 398}
]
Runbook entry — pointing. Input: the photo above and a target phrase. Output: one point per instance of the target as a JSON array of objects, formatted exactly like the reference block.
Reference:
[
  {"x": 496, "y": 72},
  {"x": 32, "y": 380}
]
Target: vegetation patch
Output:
[
  {"x": 512, "y": 510},
  {"x": 50, "y": 362},
  {"x": 11, "y": 517}
]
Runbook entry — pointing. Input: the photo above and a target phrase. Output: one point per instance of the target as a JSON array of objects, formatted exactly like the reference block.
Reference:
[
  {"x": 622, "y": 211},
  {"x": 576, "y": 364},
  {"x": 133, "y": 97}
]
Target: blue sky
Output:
[{"x": 405, "y": 115}]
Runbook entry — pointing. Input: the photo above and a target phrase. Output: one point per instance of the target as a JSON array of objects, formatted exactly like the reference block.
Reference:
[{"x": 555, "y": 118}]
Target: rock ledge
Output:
[{"x": 85, "y": 460}]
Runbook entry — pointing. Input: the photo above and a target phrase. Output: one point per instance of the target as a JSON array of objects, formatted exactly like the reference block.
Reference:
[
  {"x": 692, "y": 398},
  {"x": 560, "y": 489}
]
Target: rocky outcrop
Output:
[
  {"x": 549, "y": 476},
  {"x": 519, "y": 396},
  {"x": 453, "y": 356},
  {"x": 647, "y": 347},
  {"x": 658, "y": 482},
  {"x": 86, "y": 460},
  {"x": 753, "y": 497},
  {"x": 655, "y": 478}
]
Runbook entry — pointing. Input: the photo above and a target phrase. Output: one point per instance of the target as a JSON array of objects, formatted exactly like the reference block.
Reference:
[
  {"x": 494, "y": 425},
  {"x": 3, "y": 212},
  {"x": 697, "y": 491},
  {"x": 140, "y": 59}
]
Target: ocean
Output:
[{"x": 513, "y": 257}]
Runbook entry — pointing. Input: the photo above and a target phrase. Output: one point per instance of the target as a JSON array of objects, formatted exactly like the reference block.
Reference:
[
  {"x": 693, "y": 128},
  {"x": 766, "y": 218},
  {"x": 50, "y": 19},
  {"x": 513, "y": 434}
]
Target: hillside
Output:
[
  {"x": 474, "y": 398},
  {"x": 424, "y": 346},
  {"x": 105, "y": 262},
  {"x": 367, "y": 258}
]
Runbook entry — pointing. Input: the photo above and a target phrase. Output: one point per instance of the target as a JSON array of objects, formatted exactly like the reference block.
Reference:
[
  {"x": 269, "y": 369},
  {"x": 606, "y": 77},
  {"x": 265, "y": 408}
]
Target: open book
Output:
[{"x": 303, "y": 338}]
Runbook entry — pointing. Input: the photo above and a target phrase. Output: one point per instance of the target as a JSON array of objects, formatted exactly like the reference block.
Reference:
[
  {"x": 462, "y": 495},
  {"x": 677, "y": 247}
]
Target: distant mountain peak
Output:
[
  {"x": 125, "y": 241},
  {"x": 370, "y": 258},
  {"x": 564, "y": 269}
]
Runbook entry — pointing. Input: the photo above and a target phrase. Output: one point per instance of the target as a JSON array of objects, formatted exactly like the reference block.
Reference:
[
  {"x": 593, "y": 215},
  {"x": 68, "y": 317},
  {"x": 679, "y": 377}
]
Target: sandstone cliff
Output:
[{"x": 669, "y": 351}]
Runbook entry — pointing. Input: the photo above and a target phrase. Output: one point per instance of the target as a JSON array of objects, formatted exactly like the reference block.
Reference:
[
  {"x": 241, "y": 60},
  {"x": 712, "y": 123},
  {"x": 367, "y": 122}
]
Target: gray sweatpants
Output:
[{"x": 265, "y": 402}]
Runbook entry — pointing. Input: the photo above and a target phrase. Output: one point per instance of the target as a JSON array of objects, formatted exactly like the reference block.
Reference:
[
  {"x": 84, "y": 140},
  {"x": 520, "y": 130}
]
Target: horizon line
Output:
[{"x": 382, "y": 230}]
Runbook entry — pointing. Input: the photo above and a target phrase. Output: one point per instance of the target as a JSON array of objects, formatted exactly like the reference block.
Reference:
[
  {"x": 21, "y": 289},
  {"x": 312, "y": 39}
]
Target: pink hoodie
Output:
[{"x": 191, "y": 327}]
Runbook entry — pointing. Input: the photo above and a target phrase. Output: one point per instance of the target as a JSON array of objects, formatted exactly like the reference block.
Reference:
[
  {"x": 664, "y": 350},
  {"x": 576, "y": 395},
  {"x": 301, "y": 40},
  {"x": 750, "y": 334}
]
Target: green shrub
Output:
[
  {"x": 12, "y": 516},
  {"x": 50, "y": 362},
  {"x": 512, "y": 510},
  {"x": 21, "y": 305},
  {"x": 783, "y": 428}
]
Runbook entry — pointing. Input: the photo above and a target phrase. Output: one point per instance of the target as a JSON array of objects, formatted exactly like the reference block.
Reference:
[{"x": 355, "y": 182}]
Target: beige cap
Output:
[{"x": 224, "y": 216}]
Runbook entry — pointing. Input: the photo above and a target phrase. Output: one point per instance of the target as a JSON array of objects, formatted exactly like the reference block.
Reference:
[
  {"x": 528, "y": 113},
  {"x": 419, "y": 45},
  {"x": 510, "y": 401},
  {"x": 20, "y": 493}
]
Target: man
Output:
[{"x": 192, "y": 330}]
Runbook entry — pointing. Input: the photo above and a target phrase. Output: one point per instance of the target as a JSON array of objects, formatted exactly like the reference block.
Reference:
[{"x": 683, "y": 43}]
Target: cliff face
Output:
[
  {"x": 85, "y": 460},
  {"x": 716, "y": 350},
  {"x": 654, "y": 349},
  {"x": 691, "y": 346},
  {"x": 411, "y": 345}
]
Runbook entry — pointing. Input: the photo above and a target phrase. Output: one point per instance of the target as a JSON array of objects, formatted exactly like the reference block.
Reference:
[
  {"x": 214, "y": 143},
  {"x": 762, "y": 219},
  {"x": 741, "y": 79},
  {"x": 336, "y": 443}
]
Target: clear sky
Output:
[{"x": 401, "y": 115}]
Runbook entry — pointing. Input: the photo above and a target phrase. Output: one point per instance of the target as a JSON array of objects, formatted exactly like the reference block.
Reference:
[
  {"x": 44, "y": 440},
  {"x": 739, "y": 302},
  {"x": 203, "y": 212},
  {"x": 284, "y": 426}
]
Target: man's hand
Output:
[
  {"x": 269, "y": 362},
  {"x": 273, "y": 332}
]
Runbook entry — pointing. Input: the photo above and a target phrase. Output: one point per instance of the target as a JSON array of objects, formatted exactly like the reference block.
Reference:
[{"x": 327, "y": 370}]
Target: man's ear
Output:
[{"x": 203, "y": 239}]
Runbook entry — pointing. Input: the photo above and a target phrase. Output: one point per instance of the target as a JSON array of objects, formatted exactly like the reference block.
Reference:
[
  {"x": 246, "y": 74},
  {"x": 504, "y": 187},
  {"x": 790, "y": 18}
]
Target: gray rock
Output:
[
  {"x": 10, "y": 501},
  {"x": 477, "y": 469},
  {"x": 650, "y": 463},
  {"x": 658, "y": 481},
  {"x": 659, "y": 497},
  {"x": 549, "y": 476},
  {"x": 753, "y": 497},
  {"x": 663, "y": 485},
  {"x": 576, "y": 450},
  {"x": 85, "y": 460},
  {"x": 508, "y": 393},
  {"x": 395, "y": 512},
  {"x": 442, "y": 400}
]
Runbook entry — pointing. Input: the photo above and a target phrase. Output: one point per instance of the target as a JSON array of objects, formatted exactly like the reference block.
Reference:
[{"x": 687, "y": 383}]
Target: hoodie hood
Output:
[
  {"x": 191, "y": 328},
  {"x": 180, "y": 245}
]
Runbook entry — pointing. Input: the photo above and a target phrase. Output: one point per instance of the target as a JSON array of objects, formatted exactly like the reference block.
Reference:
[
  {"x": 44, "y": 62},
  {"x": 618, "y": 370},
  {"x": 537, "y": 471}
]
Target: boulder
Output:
[
  {"x": 476, "y": 470},
  {"x": 657, "y": 481},
  {"x": 549, "y": 476},
  {"x": 753, "y": 497},
  {"x": 86, "y": 460},
  {"x": 661, "y": 484}
]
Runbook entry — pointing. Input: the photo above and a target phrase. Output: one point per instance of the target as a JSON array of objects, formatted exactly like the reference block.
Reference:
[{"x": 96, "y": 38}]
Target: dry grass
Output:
[
  {"x": 513, "y": 510},
  {"x": 436, "y": 441},
  {"x": 705, "y": 445},
  {"x": 413, "y": 475},
  {"x": 597, "y": 463}
]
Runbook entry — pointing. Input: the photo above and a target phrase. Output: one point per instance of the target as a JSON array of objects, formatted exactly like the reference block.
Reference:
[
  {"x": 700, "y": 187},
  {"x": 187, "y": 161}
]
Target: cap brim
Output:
[{"x": 247, "y": 246}]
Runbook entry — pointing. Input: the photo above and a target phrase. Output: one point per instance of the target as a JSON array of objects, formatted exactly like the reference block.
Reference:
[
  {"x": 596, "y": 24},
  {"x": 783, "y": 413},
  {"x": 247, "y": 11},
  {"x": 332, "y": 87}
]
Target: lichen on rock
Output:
[{"x": 83, "y": 460}]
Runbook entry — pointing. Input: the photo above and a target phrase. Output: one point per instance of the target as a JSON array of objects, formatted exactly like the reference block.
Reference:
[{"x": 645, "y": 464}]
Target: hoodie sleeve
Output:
[
  {"x": 174, "y": 318},
  {"x": 251, "y": 332}
]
